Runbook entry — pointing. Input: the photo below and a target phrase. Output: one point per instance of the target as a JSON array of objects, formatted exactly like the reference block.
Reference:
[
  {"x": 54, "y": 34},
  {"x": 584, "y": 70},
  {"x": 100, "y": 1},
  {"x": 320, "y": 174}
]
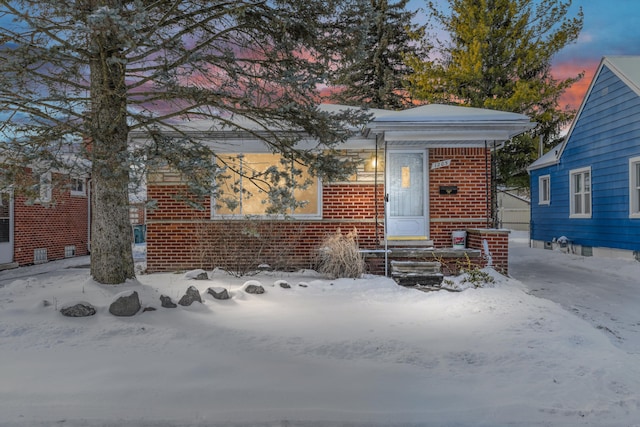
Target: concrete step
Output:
[{"x": 417, "y": 273}]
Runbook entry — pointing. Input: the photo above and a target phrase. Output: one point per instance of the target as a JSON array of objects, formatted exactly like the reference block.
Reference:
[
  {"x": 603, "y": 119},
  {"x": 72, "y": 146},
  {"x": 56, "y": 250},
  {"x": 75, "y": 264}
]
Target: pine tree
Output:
[
  {"x": 380, "y": 35},
  {"x": 499, "y": 57},
  {"x": 78, "y": 76}
]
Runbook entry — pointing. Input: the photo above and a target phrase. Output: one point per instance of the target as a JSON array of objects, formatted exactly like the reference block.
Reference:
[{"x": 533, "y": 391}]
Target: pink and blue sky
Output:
[{"x": 611, "y": 27}]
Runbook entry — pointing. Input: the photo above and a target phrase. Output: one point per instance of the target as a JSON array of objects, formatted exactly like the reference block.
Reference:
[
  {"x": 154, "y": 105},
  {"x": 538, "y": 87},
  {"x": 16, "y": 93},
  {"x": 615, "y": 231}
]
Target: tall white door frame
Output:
[{"x": 407, "y": 193}]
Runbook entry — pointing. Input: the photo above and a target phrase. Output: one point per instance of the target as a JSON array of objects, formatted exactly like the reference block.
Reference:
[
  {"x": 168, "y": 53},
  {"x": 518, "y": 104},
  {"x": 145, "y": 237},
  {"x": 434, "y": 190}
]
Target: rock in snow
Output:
[
  {"x": 196, "y": 275},
  {"x": 219, "y": 293},
  {"x": 80, "y": 309},
  {"x": 190, "y": 297},
  {"x": 283, "y": 284},
  {"x": 166, "y": 302},
  {"x": 253, "y": 287},
  {"x": 126, "y": 304}
]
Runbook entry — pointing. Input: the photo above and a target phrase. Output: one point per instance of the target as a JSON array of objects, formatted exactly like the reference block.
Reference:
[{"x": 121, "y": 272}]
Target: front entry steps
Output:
[{"x": 423, "y": 275}]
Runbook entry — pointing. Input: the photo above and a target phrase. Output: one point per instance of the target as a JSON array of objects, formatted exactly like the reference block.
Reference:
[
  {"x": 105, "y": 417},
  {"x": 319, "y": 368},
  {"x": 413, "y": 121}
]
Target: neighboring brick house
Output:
[
  {"x": 52, "y": 226},
  {"x": 424, "y": 173}
]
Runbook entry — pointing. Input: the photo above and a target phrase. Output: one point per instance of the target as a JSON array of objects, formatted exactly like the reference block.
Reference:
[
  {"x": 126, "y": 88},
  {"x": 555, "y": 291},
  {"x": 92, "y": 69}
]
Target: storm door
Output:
[
  {"x": 407, "y": 201},
  {"x": 6, "y": 227}
]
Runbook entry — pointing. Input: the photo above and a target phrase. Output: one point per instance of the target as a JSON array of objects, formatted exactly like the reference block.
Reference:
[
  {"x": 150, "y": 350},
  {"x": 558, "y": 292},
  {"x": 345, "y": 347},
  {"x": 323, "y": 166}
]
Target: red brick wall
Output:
[
  {"x": 498, "y": 242},
  {"x": 468, "y": 207},
  {"x": 183, "y": 237},
  {"x": 64, "y": 222}
]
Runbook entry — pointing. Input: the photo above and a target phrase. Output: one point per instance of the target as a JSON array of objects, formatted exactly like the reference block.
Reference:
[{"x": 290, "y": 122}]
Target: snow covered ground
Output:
[{"x": 558, "y": 347}]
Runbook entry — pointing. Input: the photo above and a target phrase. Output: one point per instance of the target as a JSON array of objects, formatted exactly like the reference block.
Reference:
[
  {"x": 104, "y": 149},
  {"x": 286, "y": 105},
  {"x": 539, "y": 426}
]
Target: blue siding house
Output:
[{"x": 587, "y": 189}]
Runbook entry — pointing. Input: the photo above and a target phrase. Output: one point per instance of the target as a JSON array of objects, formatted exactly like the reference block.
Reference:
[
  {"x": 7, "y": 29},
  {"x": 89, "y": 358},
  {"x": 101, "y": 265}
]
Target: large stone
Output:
[
  {"x": 254, "y": 289},
  {"x": 166, "y": 302},
  {"x": 196, "y": 275},
  {"x": 126, "y": 304},
  {"x": 190, "y": 297},
  {"x": 81, "y": 309},
  {"x": 283, "y": 284},
  {"x": 219, "y": 293}
]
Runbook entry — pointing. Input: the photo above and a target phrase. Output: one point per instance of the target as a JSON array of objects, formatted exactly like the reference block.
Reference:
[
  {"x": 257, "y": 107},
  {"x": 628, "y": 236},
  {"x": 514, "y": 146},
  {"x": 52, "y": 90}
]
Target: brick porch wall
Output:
[{"x": 498, "y": 242}]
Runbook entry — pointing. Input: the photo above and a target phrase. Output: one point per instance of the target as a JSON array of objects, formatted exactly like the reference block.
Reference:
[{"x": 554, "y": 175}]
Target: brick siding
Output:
[
  {"x": 180, "y": 236},
  {"x": 52, "y": 226}
]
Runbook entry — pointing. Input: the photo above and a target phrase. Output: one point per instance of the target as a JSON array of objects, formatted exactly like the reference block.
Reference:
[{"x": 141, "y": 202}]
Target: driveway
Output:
[{"x": 603, "y": 291}]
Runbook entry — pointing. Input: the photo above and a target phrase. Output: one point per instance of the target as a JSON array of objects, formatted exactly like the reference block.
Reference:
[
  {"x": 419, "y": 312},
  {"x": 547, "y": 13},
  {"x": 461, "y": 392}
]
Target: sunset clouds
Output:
[{"x": 610, "y": 28}]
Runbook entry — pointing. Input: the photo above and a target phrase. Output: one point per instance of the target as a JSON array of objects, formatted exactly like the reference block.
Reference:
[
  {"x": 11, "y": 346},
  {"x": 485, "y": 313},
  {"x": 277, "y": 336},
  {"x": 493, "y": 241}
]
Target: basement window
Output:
[
  {"x": 40, "y": 256},
  {"x": 69, "y": 251}
]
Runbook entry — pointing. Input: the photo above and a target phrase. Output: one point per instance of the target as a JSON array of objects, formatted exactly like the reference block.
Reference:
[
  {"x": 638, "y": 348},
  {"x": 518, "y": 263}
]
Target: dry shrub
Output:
[{"x": 339, "y": 256}]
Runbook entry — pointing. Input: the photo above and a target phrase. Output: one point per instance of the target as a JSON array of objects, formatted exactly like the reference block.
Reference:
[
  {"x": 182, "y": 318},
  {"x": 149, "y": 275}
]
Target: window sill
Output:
[
  {"x": 580, "y": 216},
  {"x": 265, "y": 218}
]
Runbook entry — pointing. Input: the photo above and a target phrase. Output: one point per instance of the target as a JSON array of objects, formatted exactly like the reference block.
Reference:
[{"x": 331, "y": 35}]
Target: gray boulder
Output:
[
  {"x": 202, "y": 276},
  {"x": 283, "y": 284},
  {"x": 190, "y": 297},
  {"x": 254, "y": 289},
  {"x": 219, "y": 293},
  {"x": 166, "y": 302},
  {"x": 81, "y": 309},
  {"x": 126, "y": 304}
]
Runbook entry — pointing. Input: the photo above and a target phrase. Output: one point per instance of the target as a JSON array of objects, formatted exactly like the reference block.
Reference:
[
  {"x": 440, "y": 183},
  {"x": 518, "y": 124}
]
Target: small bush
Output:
[
  {"x": 478, "y": 278},
  {"x": 339, "y": 256}
]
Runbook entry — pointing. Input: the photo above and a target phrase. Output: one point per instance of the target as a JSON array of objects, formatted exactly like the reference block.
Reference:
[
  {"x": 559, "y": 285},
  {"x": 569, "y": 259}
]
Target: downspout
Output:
[
  {"x": 494, "y": 187},
  {"x": 386, "y": 202},
  {"x": 487, "y": 180},
  {"x": 89, "y": 215},
  {"x": 375, "y": 189}
]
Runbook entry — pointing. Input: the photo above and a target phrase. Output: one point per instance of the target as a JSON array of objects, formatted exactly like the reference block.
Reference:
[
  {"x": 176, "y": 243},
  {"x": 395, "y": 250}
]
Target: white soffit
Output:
[{"x": 435, "y": 122}]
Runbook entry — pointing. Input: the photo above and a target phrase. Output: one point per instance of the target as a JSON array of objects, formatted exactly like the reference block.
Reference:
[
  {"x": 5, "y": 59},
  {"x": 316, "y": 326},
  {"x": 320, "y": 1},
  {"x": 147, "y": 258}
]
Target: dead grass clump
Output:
[{"x": 339, "y": 256}]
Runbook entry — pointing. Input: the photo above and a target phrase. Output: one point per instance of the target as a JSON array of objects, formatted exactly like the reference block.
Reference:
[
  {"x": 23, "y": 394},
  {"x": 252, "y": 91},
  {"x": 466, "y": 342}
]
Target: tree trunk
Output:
[{"x": 111, "y": 233}]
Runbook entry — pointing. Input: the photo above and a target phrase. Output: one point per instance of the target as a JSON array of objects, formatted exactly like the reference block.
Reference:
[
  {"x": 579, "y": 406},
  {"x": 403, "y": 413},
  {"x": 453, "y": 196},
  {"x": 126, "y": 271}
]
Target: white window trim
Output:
[
  {"x": 267, "y": 217},
  {"x": 45, "y": 188},
  {"x": 633, "y": 194},
  {"x": 84, "y": 187},
  {"x": 571, "y": 193},
  {"x": 541, "y": 200}
]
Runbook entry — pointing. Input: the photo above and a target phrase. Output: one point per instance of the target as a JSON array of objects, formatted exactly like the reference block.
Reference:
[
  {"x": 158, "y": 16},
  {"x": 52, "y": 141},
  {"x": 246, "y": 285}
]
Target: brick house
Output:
[
  {"x": 51, "y": 226},
  {"x": 424, "y": 173}
]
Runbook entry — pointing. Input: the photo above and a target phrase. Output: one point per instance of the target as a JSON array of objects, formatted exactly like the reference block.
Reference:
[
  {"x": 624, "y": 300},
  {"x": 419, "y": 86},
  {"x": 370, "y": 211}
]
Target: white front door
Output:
[
  {"x": 6, "y": 227},
  {"x": 407, "y": 196}
]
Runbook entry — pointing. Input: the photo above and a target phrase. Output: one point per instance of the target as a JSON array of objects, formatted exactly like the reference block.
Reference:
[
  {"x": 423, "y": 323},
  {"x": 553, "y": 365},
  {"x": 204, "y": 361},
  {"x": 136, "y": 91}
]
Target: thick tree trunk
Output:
[{"x": 111, "y": 233}]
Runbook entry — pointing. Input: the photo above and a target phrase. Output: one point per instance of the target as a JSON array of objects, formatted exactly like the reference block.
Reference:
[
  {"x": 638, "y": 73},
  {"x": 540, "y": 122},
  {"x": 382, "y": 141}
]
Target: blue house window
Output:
[
  {"x": 580, "y": 193},
  {"x": 544, "y": 190},
  {"x": 634, "y": 187}
]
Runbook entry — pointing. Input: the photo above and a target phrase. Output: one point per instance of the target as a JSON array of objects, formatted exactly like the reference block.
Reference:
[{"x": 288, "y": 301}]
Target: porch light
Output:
[{"x": 373, "y": 164}]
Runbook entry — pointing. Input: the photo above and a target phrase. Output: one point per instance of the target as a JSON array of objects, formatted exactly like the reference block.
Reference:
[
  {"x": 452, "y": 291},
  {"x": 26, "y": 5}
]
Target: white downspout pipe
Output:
[{"x": 386, "y": 202}]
